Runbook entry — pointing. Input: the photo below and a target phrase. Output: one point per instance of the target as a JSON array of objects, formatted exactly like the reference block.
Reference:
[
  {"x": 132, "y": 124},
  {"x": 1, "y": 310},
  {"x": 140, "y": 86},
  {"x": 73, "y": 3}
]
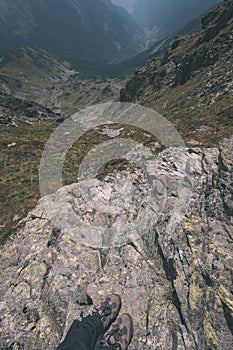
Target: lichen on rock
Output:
[{"x": 175, "y": 279}]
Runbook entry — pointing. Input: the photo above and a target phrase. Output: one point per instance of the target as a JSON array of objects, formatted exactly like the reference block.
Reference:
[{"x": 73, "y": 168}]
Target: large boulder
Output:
[{"x": 174, "y": 274}]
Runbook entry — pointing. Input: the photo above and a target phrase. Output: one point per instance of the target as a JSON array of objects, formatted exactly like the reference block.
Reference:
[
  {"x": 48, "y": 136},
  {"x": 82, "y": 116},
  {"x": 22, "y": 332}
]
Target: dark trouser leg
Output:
[
  {"x": 83, "y": 335},
  {"x": 101, "y": 347}
]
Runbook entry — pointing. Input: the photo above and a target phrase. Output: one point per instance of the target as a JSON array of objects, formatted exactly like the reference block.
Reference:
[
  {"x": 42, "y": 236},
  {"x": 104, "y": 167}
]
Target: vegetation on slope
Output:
[{"x": 192, "y": 84}]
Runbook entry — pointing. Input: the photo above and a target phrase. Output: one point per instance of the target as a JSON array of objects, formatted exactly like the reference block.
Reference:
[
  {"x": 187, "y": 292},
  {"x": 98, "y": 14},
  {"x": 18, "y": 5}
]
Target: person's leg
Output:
[{"x": 83, "y": 335}]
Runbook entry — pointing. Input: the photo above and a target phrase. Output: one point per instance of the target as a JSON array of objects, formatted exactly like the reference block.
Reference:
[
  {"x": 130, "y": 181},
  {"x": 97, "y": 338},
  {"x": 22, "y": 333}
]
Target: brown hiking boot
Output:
[
  {"x": 108, "y": 309},
  {"x": 119, "y": 335}
]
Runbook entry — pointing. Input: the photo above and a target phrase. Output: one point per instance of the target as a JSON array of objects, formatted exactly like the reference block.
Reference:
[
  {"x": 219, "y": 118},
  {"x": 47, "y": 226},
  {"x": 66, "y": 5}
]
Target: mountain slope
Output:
[
  {"x": 25, "y": 70},
  {"x": 192, "y": 84},
  {"x": 156, "y": 50},
  {"x": 78, "y": 30},
  {"x": 36, "y": 75},
  {"x": 31, "y": 74}
]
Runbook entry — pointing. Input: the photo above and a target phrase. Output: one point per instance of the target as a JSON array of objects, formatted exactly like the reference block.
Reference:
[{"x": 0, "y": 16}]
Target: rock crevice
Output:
[{"x": 174, "y": 278}]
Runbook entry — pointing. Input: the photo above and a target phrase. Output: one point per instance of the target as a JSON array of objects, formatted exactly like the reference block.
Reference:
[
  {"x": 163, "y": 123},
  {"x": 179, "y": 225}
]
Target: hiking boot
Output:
[
  {"x": 119, "y": 335},
  {"x": 108, "y": 309}
]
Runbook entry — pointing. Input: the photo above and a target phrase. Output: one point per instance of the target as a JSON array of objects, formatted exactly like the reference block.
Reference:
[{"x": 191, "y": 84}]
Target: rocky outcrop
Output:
[
  {"x": 14, "y": 110},
  {"x": 174, "y": 273}
]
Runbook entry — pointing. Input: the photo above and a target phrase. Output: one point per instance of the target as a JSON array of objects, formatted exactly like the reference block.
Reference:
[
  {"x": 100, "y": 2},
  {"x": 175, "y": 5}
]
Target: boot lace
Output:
[
  {"x": 116, "y": 333},
  {"x": 103, "y": 311}
]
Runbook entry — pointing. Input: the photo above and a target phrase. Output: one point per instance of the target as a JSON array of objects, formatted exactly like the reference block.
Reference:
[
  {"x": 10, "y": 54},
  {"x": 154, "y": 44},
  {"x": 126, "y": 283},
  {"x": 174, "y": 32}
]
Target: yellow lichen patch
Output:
[
  {"x": 209, "y": 329},
  {"x": 34, "y": 272},
  {"x": 223, "y": 252},
  {"x": 44, "y": 323},
  {"x": 101, "y": 292},
  {"x": 194, "y": 219},
  {"x": 104, "y": 279},
  {"x": 220, "y": 251},
  {"x": 48, "y": 330},
  {"x": 78, "y": 246},
  {"x": 8, "y": 252},
  {"x": 193, "y": 245},
  {"x": 211, "y": 296},
  {"x": 195, "y": 263},
  {"x": 74, "y": 259},
  {"x": 208, "y": 293},
  {"x": 160, "y": 343},
  {"x": 43, "y": 231},
  {"x": 195, "y": 293},
  {"x": 85, "y": 218},
  {"x": 218, "y": 303},
  {"x": 67, "y": 239},
  {"x": 57, "y": 285},
  {"x": 124, "y": 310},
  {"x": 22, "y": 288},
  {"x": 188, "y": 226},
  {"x": 80, "y": 281},
  {"x": 226, "y": 297}
]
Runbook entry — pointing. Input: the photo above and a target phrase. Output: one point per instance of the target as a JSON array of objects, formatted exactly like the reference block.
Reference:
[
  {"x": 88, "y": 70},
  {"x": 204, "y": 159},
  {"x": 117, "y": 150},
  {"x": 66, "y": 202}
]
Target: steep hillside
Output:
[
  {"x": 192, "y": 84},
  {"x": 28, "y": 72},
  {"x": 81, "y": 31},
  {"x": 36, "y": 75}
]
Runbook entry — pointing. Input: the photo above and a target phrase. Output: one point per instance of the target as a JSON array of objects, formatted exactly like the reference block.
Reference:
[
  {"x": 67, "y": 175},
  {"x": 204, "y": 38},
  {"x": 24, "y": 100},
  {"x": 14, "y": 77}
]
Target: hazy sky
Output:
[{"x": 127, "y": 4}]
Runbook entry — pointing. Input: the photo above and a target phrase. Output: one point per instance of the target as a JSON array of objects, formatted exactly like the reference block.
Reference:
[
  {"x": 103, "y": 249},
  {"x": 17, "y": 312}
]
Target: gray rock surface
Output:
[{"x": 174, "y": 274}]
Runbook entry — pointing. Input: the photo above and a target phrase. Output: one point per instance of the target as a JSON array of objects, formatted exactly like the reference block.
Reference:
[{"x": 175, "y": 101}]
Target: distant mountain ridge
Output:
[
  {"x": 77, "y": 30},
  {"x": 169, "y": 15},
  {"x": 127, "y": 4},
  {"x": 155, "y": 50}
]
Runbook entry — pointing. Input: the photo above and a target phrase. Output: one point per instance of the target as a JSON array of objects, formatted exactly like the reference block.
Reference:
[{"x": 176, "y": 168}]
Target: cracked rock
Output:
[{"x": 172, "y": 267}]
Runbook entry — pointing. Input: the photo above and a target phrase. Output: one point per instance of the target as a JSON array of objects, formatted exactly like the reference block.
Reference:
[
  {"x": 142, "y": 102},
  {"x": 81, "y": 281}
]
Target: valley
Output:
[{"x": 155, "y": 225}]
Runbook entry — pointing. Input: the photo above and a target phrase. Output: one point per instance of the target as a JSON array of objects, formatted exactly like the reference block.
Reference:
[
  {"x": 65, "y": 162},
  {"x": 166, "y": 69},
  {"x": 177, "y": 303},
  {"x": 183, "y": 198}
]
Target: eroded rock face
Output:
[{"x": 175, "y": 276}]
